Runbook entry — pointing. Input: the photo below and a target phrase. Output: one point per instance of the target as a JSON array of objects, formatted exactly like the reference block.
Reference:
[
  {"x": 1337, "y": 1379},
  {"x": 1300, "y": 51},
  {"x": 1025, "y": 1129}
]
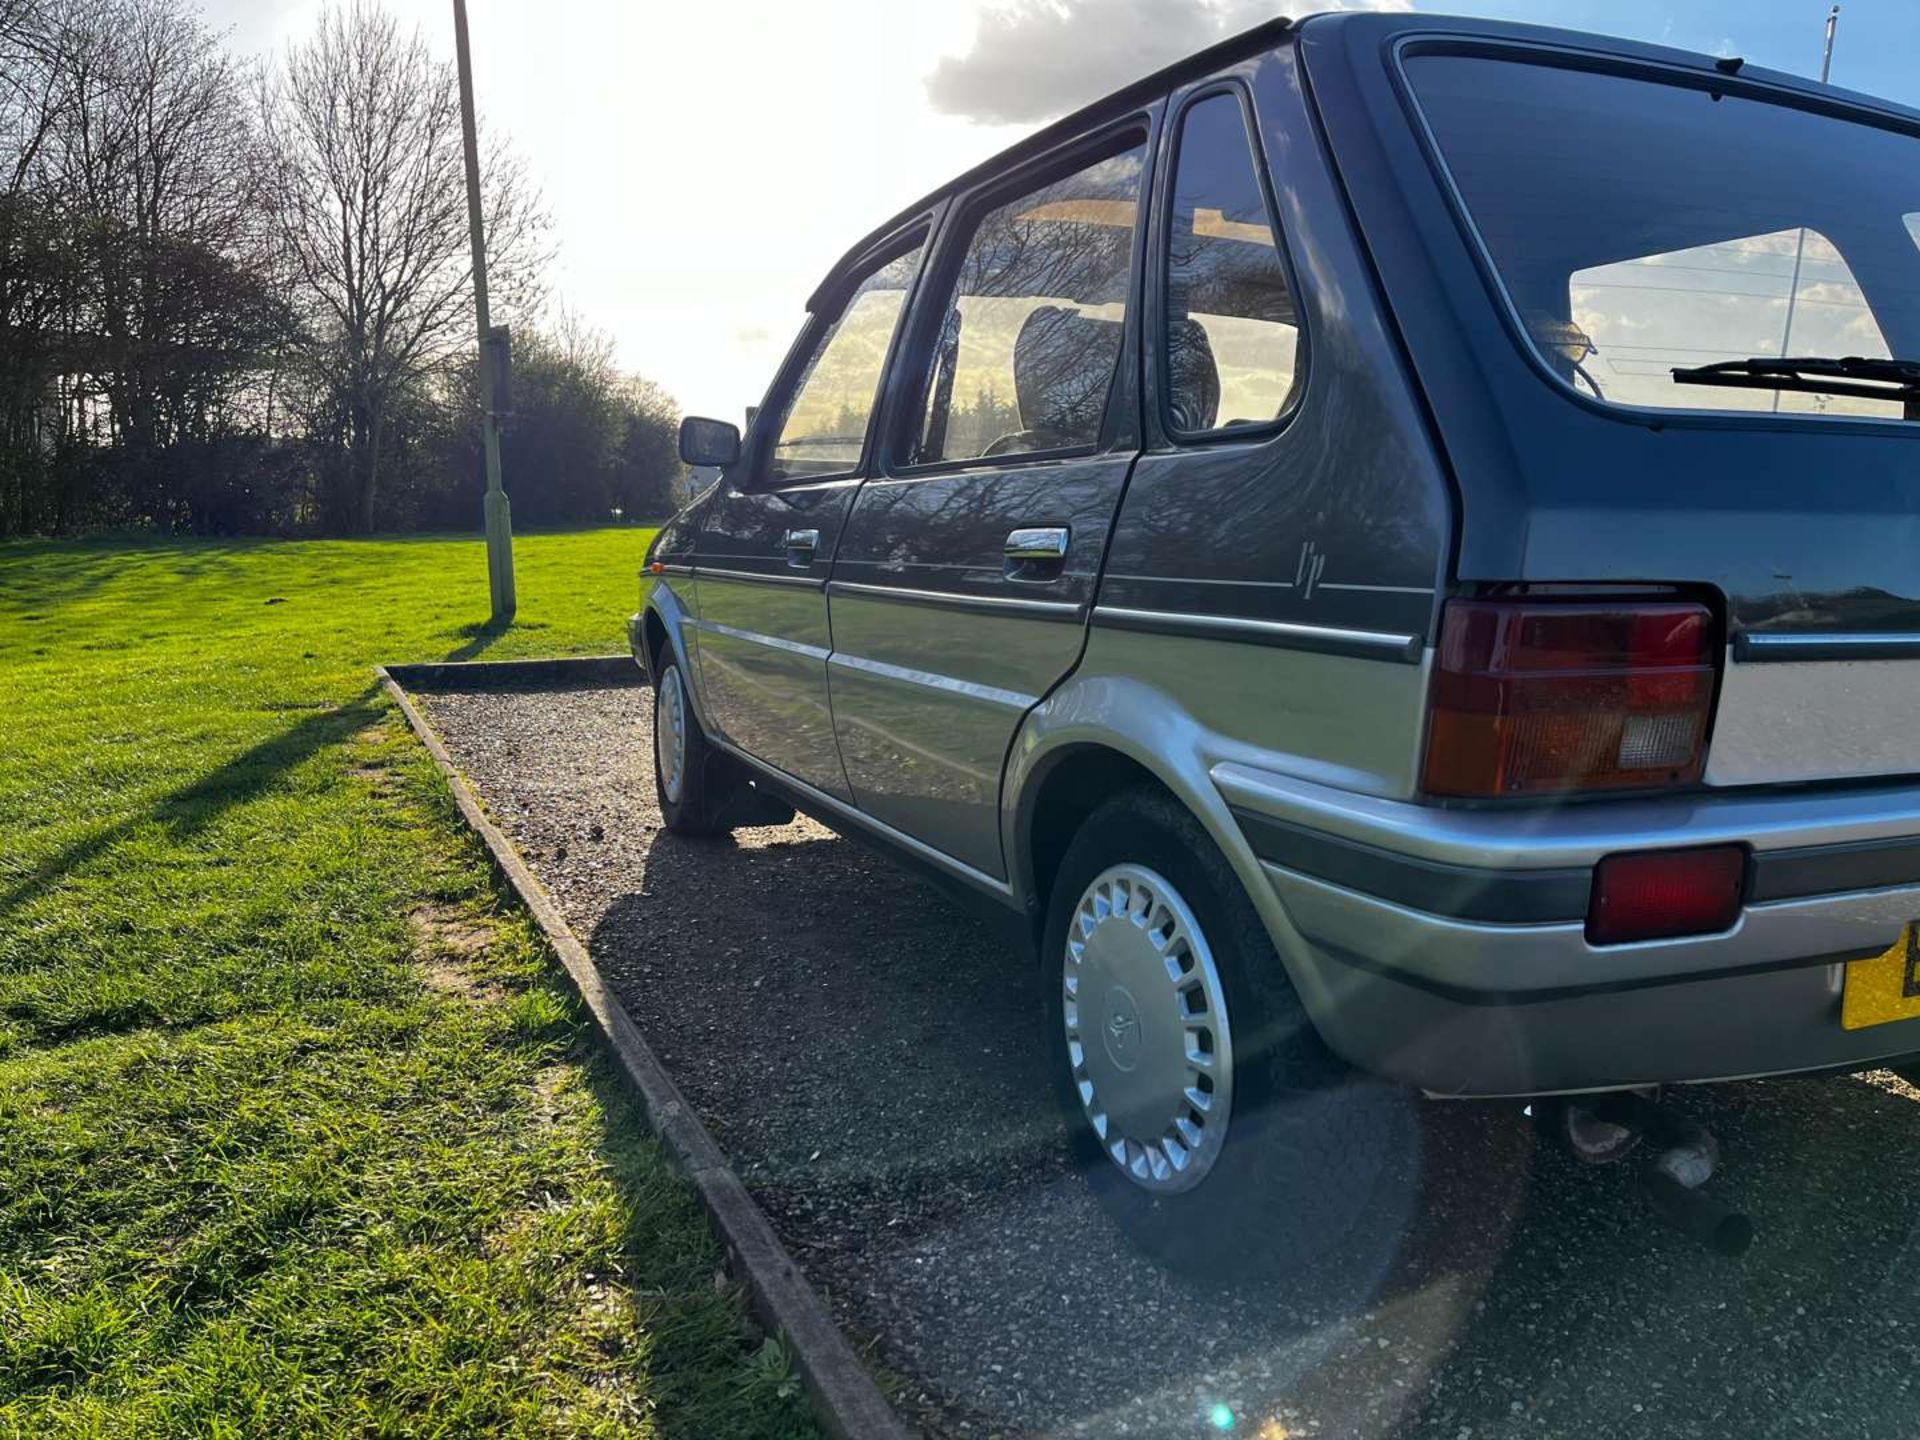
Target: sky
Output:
[{"x": 706, "y": 161}]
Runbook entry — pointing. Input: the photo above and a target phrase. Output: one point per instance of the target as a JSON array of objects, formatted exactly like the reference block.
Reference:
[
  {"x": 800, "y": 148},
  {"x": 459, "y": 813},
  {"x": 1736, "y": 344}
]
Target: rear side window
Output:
[
  {"x": 1639, "y": 226},
  {"x": 826, "y": 421},
  {"x": 1031, "y": 334},
  {"x": 1231, "y": 337}
]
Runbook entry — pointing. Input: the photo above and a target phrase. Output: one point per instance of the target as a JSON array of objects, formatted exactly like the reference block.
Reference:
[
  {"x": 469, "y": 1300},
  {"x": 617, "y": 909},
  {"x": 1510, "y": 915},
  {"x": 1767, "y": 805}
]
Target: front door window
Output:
[
  {"x": 1032, "y": 330},
  {"x": 825, "y": 425}
]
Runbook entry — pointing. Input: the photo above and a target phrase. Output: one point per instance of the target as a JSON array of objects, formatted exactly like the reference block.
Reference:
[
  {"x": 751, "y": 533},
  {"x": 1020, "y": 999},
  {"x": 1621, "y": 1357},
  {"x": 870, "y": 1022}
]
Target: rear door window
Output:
[
  {"x": 1638, "y": 226},
  {"x": 1031, "y": 334},
  {"x": 1231, "y": 337}
]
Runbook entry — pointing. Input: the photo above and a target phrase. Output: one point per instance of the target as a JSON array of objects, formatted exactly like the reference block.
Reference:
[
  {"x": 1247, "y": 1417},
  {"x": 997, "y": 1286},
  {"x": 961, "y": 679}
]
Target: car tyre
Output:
[
  {"x": 702, "y": 791},
  {"x": 1316, "y": 1166}
]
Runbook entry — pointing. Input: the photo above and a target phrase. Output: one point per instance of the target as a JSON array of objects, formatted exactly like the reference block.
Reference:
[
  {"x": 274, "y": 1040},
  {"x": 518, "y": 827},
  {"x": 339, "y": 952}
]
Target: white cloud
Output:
[
  {"x": 1034, "y": 59},
  {"x": 705, "y": 163}
]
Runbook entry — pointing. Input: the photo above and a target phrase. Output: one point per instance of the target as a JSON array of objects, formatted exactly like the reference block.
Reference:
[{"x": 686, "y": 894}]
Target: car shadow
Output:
[
  {"x": 857, "y": 1003},
  {"x": 872, "y": 1057}
]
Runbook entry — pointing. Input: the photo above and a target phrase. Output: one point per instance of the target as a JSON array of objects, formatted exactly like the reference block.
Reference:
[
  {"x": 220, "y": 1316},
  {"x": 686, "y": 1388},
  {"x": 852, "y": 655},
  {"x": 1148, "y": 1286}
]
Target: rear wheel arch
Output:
[
  {"x": 1124, "y": 727},
  {"x": 1058, "y": 798}
]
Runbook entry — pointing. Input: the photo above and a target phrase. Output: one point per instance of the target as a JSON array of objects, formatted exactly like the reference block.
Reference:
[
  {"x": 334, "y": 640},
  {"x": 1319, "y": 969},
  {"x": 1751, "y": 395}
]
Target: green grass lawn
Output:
[{"x": 300, "y": 1132}]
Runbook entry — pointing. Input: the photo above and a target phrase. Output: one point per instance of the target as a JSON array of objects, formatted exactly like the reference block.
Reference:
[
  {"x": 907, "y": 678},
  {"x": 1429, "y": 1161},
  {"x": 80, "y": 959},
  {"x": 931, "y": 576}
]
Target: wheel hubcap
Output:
[
  {"x": 670, "y": 734},
  {"x": 1147, "y": 1035}
]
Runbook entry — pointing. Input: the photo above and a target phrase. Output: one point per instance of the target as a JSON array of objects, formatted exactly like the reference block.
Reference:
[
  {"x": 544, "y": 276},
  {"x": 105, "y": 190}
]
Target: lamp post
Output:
[
  {"x": 499, "y": 514},
  {"x": 1800, "y": 245}
]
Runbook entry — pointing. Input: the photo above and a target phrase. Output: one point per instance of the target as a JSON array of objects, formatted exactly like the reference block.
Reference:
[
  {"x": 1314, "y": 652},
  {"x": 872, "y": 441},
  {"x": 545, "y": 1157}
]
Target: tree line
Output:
[{"x": 235, "y": 297}]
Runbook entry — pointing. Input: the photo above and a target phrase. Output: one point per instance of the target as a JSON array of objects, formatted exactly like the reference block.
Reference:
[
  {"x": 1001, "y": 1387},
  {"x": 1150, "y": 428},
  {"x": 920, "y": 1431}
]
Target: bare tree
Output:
[
  {"x": 34, "y": 278},
  {"x": 363, "y": 127},
  {"x": 161, "y": 161}
]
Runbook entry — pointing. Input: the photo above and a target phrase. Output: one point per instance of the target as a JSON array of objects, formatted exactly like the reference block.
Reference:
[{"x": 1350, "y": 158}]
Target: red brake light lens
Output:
[
  {"x": 1534, "y": 696},
  {"x": 1654, "y": 894}
]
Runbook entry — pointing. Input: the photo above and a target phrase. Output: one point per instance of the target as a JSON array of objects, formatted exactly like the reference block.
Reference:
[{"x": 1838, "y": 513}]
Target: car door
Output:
[
  {"x": 961, "y": 586},
  {"x": 769, "y": 533}
]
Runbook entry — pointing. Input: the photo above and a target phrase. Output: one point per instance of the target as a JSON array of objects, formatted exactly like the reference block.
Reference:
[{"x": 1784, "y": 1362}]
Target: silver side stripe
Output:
[
  {"x": 1232, "y": 626},
  {"x": 1011, "y": 604},
  {"x": 1376, "y": 589},
  {"x": 1269, "y": 584},
  {"x": 991, "y": 694},
  {"x": 752, "y": 577},
  {"x": 775, "y": 642},
  {"x": 1802, "y": 645},
  {"x": 1199, "y": 580}
]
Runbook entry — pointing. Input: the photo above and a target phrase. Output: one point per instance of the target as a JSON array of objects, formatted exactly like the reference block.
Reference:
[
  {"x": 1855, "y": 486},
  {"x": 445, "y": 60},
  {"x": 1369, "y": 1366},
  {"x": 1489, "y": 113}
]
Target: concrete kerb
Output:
[
  {"x": 552, "y": 674},
  {"x": 850, "y": 1405}
]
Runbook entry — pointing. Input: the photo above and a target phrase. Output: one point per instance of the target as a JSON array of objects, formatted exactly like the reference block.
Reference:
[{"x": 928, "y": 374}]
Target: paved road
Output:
[{"x": 870, "y": 1058}]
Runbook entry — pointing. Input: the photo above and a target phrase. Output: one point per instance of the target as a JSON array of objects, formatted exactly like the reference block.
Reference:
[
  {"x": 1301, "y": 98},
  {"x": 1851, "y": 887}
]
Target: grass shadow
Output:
[
  {"x": 44, "y": 575},
  {"x": 193, "y": 807},
  {"x": 480, "y": 637}
]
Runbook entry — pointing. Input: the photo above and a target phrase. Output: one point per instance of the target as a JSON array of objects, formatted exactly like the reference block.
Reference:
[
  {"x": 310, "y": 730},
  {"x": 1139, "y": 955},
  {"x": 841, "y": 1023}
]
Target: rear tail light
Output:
[
  {"x": 1539, "y": 695},
  {"x": 1653, "y": 894}
]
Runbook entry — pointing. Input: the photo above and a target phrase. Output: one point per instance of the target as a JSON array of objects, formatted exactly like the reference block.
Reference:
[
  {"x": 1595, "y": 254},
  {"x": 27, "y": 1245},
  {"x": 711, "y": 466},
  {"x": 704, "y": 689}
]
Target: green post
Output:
[{"x": 499, "y": 514}]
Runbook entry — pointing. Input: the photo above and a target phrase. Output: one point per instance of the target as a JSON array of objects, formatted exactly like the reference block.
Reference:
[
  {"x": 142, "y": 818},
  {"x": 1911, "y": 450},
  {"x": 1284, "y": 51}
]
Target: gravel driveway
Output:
[{"x": 869, "y": 1054}]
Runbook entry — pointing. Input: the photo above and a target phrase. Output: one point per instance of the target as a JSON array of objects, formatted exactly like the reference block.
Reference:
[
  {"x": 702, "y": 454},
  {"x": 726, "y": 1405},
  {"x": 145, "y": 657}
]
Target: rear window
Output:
[{"x": 1639, "y": 226}]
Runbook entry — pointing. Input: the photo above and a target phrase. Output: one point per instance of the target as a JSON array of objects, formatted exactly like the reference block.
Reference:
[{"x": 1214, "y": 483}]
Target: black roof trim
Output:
[{"x": 1201, "y": 63}]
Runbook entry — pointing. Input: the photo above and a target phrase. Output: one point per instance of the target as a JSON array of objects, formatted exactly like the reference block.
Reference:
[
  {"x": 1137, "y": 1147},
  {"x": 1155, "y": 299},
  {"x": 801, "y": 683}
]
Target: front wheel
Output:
[
  {"x": 679, "y": 755},
  {"x": 701, "y": 790},
  {"x": 1208, "y": 1116}
]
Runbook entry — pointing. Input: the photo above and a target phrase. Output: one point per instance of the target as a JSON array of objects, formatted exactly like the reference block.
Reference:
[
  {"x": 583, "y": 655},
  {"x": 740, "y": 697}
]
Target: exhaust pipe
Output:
[
  {"x": 1686, "y": 1159},
  {"x": 1693, "y": 1212}
]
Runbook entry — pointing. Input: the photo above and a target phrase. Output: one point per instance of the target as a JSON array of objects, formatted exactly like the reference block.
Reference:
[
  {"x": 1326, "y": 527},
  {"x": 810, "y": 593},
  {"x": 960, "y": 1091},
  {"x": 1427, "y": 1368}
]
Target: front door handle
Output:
[
  {"x": 1037, "y": 544},
  {"x": 800, "y": 545}
]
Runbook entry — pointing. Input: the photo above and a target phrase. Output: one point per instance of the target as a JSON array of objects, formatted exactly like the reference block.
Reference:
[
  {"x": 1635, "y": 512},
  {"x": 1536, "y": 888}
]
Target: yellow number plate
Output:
[{"x": 1884, "y": 988}]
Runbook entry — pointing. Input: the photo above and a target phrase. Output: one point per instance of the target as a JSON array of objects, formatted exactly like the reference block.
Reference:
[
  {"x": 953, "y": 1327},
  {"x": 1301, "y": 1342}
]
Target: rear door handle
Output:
[
  {"x": 1032, "y": 544},
  {"x": 800, "y": 545}
]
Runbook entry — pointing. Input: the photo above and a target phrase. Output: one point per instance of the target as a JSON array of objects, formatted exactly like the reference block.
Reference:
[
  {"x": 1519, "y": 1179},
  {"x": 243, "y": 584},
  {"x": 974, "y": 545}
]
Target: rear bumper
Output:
[{"x": 1447, "y": 948}]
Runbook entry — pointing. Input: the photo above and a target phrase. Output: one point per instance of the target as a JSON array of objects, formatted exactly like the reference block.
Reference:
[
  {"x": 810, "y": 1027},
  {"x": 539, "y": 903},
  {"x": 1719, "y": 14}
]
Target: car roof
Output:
[{"x": 1282, "y": 30}]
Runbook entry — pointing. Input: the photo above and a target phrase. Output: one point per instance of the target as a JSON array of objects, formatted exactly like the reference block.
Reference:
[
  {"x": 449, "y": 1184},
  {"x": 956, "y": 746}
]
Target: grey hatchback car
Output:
[{"x": 1390, "y": 548}]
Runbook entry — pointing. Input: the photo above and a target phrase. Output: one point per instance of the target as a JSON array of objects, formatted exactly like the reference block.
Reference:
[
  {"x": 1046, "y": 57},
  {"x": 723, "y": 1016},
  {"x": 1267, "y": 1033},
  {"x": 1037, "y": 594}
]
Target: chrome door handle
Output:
[
  {"x": 1038, "y": 542},
  {"x": 800, "y": 545}
]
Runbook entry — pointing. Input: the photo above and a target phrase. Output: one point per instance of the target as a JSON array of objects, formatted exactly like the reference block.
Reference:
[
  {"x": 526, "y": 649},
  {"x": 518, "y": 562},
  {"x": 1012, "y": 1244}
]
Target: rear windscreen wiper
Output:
[{"x": 1868, "y": 377}]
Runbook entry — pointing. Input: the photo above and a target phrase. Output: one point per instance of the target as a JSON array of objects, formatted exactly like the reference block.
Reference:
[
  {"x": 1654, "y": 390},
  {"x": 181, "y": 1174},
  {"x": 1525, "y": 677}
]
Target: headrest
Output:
[
  {"x": 1193, "y": 379},
  {"x": 1062, "y": 367}
]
